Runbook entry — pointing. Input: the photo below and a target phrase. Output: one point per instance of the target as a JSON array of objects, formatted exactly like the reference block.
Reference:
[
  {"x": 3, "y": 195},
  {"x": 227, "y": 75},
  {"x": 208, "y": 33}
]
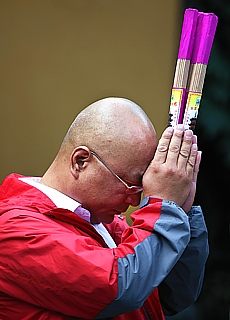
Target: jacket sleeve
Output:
[
  {"x": 52, "y": 265},
  {"x": 159, "y": 235},
  {"x": 183, "y": 284}
]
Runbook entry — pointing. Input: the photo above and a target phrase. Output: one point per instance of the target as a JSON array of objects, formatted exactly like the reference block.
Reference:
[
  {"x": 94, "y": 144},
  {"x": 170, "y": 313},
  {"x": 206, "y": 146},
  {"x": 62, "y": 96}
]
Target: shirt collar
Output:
[
  {"x": 58, "y": 198},
  {"x": 65, "y": 202}
]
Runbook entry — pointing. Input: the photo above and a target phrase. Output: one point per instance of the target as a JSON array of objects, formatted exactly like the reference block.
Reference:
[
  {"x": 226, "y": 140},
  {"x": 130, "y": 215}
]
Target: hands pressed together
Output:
[{"x": 172, "y": 174}]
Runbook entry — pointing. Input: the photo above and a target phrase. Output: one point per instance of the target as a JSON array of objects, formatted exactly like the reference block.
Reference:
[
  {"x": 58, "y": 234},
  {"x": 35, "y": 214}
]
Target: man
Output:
[{"x": 66, "y": 251}]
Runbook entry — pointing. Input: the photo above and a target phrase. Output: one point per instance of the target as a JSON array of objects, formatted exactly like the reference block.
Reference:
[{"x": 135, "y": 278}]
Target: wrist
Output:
[{"x": 147, "y": 200}]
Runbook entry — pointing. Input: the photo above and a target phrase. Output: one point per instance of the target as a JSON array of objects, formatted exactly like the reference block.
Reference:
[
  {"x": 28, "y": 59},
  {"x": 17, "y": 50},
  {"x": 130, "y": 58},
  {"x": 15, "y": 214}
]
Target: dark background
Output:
[{"x": 213, "y": 191}]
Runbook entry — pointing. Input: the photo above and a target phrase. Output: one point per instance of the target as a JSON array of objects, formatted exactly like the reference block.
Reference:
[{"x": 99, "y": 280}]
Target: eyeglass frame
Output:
[{"x": 129, "y": 189}]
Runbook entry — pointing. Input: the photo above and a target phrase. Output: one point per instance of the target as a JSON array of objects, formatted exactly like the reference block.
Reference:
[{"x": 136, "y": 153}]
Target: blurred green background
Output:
[{"x": 59, "y": 56}]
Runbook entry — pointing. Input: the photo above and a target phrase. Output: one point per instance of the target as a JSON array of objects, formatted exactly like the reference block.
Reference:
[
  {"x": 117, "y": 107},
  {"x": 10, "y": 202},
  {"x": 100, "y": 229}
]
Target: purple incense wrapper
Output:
[
  {"x": 198, "y": 31},
  {"x": 188, "y": 34},
  {"x": 205, "y": 32},
  {"x": 182, "y": 107},
  {"x": 184, "y": 53}
]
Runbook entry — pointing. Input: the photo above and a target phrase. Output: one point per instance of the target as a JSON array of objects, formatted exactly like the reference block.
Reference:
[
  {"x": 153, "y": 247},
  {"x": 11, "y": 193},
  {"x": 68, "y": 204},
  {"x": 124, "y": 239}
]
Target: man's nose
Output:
[{"x": 133, "y": 199}]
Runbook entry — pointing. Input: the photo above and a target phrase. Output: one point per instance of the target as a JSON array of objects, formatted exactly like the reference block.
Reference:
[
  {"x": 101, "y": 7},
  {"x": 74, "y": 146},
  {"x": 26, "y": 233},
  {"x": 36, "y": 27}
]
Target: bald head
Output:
[
  {"x": 121, "y": 134},
  {"x": 111, "y": 126}
]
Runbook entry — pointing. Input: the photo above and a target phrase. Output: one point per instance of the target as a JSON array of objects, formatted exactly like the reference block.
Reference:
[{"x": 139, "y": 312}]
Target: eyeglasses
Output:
[{"x": 129, "y": 189}]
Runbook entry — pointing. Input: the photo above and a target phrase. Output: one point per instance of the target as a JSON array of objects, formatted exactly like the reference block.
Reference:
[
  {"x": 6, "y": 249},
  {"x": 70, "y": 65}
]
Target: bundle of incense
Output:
[
  {"x": 197, "y": 36},
  {"x": 178, "y": 97},
  {"x": 205, "y": 32}
]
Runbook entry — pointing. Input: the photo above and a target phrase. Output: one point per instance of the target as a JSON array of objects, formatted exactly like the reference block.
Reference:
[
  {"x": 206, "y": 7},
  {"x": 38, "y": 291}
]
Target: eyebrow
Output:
[
  {"x": 135, "y": 177},
  {"x": 138, "y": 177}
]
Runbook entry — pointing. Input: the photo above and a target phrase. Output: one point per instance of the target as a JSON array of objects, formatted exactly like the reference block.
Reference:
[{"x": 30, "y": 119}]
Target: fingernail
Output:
[
  {"x": 194, "y": 147},
  {"x": 188, "y": 134},
  {"x": 180, "y": 127},
  {"x": 169, "y": 130}
]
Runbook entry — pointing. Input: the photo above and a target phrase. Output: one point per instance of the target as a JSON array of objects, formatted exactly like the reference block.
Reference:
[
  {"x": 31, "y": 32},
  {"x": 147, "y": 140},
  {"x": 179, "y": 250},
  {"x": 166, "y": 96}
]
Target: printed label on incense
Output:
[
  {"x": 175, "y": 106},
  {"x": 191, "y": 110}
]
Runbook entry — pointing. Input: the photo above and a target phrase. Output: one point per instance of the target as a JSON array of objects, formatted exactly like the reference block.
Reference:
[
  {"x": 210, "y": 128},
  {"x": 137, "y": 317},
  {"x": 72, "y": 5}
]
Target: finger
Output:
[
  {"x": 194, "y": 139},
  {"x": 175, "y": 145},
  {"x": 197, "y": 165},
  {"x": 163, "y": 145},
  {"x": 198, "y": 156},
  {"x": 185, "y": 149},
  {"x": 192, "y": 164}
]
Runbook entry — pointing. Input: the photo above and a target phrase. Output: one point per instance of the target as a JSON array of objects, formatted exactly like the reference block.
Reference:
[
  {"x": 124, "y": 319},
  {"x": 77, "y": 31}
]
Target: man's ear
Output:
[{"x": 79, "y": 158}]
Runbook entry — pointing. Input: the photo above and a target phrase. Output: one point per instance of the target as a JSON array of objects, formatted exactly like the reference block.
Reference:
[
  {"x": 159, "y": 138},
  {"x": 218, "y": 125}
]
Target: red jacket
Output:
[{"x": 54, "y": 265}]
